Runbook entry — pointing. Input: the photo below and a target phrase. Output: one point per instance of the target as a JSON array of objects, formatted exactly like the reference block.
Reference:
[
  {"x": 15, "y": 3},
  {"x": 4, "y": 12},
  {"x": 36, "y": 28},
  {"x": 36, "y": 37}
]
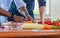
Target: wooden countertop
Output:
[{"x": 27, "y": 33}]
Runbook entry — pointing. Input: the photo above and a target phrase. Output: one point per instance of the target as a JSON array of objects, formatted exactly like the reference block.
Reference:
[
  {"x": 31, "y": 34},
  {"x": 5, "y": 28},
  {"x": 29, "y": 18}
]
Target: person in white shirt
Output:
[{"x": 21, "y": 7}]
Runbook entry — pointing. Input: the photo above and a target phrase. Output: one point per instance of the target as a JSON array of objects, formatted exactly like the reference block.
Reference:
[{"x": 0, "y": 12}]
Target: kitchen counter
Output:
[{"x": 31, "y": 34}]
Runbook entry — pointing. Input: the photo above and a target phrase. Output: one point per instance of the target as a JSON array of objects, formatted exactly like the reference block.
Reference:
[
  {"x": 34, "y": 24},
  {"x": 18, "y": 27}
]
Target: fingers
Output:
[
  {"x": 18, "y": 19},
  {"x": 22, "y": 19}
]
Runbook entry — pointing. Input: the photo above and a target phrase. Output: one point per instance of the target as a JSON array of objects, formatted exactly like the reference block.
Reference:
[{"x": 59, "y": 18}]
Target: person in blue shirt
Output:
[
  {"x": 20, "y": 6},
  {"x": 30, "y": 7}
]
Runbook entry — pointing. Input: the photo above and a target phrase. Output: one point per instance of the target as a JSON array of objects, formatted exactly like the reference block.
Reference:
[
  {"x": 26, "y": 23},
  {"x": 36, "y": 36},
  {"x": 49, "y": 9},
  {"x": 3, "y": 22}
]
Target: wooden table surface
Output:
[{"x": 30, "y": 33}]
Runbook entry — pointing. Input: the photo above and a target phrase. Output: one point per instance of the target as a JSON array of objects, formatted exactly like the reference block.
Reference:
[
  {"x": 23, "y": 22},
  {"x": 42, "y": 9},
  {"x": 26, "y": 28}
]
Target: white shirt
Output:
[{"x": 5, "y": 4}]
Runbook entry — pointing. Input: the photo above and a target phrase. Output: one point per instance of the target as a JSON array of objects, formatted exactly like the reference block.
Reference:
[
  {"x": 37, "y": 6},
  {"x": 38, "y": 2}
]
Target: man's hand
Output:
[
  {"x": 41, "y": 21},
  {"x": 29, "y": 18},
  {"x": 18, "y": 19}
]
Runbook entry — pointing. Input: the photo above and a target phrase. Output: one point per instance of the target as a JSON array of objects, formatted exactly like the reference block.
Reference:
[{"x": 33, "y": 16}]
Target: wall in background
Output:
[{"x": 55, "y": 9}]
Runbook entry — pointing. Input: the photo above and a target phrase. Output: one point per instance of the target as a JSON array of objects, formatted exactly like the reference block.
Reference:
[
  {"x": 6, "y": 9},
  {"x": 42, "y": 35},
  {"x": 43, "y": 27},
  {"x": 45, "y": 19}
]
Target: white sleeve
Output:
[
  {"x": 0, "y": 4},
  {"x": 19, "y": 3}
]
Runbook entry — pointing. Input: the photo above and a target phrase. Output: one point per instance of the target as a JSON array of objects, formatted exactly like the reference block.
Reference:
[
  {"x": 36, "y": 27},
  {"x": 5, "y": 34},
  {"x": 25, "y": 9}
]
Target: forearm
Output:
[
  {"x": 4, "y": 13},
  {"x": 28, "y": 17},
  {"x": 42, "y": 7},
  {"x": 42, "y": 10},
  {"x": 24, "y": 11}
]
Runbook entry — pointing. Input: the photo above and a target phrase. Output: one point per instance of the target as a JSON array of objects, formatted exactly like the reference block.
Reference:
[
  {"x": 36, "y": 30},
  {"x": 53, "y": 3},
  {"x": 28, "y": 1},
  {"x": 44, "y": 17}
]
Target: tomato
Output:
[
  {"x": 45, "y": 22},
  {"x": 56, "y": 23},
  {"x": 39, "y": 22},
  {"x": 2, "y": 27},
  {"x": 49, "y": 22}
]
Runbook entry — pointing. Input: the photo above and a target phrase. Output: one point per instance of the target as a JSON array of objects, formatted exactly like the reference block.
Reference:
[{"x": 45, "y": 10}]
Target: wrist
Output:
[{"x": 12, "y": 15}]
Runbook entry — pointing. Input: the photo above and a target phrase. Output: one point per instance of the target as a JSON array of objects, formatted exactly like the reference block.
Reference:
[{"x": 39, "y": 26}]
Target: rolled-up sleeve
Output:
[
  {"x": 42, "y": 3},
  {"x": 19, "y": 3}
]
